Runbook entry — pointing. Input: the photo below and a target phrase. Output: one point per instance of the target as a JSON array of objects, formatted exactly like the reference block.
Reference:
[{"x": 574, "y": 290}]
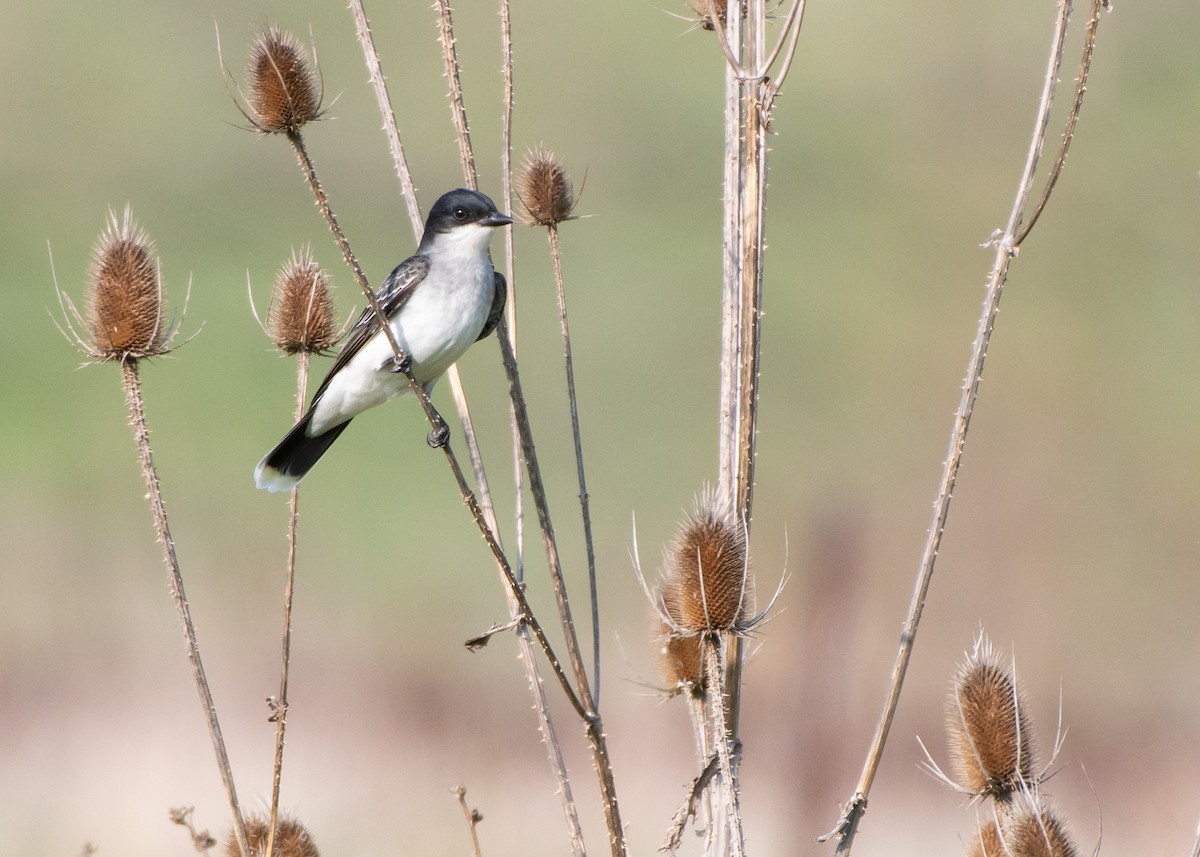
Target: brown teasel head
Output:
[
  {"x": 291, "y": 839},
  {"x": 285, "y": 90},
  {"x": 682, "y": 660},
  {"x": 706, "y": 585},
  {"x": 301, "y": 317},
  {"x": 1036, "y": 831},
  {"x": 125, "y": 315},
  {"x": 544, "y": 190},
  {"x": 988, "y": 728},
  {"x": 988, "y": 842}
]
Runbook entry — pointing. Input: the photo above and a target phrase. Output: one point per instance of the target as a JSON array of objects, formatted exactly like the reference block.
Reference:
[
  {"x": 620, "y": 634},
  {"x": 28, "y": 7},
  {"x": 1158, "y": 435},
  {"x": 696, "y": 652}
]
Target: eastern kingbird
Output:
[{"x": 438, "y": 301}]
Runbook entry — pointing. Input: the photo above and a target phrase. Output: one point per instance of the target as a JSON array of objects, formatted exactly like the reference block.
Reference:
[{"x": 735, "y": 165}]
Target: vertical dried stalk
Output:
[
  {"x": 280, "y": 703},
  {"x": 1006, "y": 246},
  {"x": 137, "y": 415},
  {"x": 728, "y": 836}
]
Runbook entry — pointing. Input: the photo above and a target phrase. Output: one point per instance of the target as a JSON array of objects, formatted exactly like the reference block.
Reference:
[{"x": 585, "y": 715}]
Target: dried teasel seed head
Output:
[
  {"x": 682, "y": 660},
  {"x": 988, "y": 728},
  {"x": 301, "y": 317},
  {"x": 701, "y": 8},
  {"x": 1035, "y": 831},
  {"x": 706, "y": 585},
  {"x": 988, "y": 842},
  {"x": 292, "y": 839},
  {"x": 545, "y": 191},
  {"x": 125, "y": 310},
  {"x": 285, "y": 91}
]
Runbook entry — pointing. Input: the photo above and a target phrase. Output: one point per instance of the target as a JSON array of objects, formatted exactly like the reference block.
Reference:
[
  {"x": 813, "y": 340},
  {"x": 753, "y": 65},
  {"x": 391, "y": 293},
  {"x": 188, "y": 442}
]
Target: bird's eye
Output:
[{"x": 460, "y": 214}]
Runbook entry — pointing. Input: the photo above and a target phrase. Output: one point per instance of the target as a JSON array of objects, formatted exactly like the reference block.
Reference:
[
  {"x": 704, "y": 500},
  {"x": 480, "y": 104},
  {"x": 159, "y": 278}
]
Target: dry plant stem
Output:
[
  {"x": 137, "y": 416},
  {"x": 472, "y": 818},
  {"x": 303, "y": 359},
  {"x": 1196, "y": 843},
  {"x": 379, "y": 84},
  {"x": 730, "y": 813},
  {"x": 510, "y": 306},
  {"x": 552, "y": 231},
  {"x": 457, "y": 107},
  {"x": 1006, "y": 248},
  {"x": 591, "y": 717}
]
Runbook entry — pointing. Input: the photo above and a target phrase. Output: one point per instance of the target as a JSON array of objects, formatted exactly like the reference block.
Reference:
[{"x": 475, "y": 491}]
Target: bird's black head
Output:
[{"x": 463, "y": 207}]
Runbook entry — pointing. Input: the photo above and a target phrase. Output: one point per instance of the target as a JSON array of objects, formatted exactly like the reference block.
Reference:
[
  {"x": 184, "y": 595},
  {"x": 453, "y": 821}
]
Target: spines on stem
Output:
[
  {"x": 284, "y": 87},
  {"x": 126, "y": 317},
  {"x": 292, "y": 839},
  {"x": 988, "y": 728},
  {"x": 707, "y": 586},
  {"x": 545, "y": 190},
  {"x": 301, "y": 317}
]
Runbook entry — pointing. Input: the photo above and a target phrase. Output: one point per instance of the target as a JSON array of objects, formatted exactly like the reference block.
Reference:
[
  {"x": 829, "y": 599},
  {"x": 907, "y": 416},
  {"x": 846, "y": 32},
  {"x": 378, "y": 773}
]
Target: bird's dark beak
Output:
[{"x": 495, "y": 219}]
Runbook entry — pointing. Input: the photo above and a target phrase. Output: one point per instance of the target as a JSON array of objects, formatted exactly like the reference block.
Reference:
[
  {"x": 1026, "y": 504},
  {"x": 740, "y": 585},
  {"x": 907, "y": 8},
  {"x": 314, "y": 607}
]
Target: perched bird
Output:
[{"x": 438, "y": 301}]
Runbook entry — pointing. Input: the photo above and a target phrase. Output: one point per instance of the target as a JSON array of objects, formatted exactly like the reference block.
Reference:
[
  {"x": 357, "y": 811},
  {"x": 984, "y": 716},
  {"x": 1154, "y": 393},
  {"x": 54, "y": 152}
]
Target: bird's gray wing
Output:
[
  {"x": 395, "y": 291},
  {"x": 498, "y": 300}
]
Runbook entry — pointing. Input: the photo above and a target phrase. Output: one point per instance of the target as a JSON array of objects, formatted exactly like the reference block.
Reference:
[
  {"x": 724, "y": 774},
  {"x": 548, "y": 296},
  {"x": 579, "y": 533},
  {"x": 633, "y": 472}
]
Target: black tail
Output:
[{"x": 295, "y": 455}]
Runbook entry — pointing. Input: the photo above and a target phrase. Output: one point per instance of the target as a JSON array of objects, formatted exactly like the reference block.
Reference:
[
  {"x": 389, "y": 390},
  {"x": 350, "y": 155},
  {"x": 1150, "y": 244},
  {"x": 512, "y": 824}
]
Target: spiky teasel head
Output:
[
  {"x": 301, "y": 317},
  {"x": 1035, "y": 830},
  {"x": 284, "y": 87},
  {"x": 988, "y": 728},
  {"x": 988, "y": 842},
  {"x": 706, "y": 585},
  {"x": 292, "y": 839},
  {"x": 544, "y": 190},
  {"x": 682, "y": 660},
  {"x": 124, "y": 315}
]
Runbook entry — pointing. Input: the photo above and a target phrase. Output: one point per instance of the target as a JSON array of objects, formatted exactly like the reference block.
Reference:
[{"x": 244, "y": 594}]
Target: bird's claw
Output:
[
  {"x": 440, "y": 435},
  {"x": 401, "y": 366}
]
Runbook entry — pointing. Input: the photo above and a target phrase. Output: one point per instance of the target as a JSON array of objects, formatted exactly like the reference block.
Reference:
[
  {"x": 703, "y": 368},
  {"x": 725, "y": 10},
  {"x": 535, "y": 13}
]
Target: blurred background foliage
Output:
[{"x": 900, "y": 138}]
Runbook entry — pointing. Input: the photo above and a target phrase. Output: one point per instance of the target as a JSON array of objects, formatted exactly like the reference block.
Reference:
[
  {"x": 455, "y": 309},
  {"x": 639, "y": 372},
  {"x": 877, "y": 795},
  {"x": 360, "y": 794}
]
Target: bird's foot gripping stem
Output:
[
  {"x": 440, "y": 435},
  {"x": 401, "y": 367}
]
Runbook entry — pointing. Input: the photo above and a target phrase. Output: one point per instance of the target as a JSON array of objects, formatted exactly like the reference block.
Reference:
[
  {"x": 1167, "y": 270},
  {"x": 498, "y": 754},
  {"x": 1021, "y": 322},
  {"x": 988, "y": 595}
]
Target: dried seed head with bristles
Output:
[
  {"x": 682, "y": 661},
  {"x": 291, "y": 839},
  {"x": 285, "y": 90},
  {"x": 988, "y": 728},
  {"x": 545, "y": 191},
  {"x": 988, "y": 842},
  {"x": 124, "y": 317},
  {"x": 1036, "y": 831},
  {"x": 301, "y": 317},
  {"x": 706, "y": 585}
]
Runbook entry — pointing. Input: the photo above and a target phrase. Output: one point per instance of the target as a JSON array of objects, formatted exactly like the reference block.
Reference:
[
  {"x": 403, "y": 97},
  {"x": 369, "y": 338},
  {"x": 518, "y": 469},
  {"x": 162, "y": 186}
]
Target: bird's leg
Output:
[{"x": 441, "y": 432}]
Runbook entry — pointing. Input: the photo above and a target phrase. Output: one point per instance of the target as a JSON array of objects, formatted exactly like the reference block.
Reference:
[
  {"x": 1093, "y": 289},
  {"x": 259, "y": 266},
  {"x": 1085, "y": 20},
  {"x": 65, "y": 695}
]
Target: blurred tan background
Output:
[{"x": 901, "y": 133}]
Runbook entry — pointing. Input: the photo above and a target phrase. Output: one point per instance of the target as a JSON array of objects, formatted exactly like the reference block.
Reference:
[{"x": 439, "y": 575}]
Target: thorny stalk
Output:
[
  {"x": 579, "y": 470},
  {"x": 137, "y": 415},
  {"x": 729, "y": 836},
  {"x": 1006, "y": 245},
  {"x": 280, "y": 703}
]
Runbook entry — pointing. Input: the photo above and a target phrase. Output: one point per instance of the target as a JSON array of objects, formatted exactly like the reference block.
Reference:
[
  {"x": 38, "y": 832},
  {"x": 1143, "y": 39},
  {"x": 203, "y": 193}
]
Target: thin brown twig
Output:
[
  {"x": 1006, "y": 247},
  {"x": 137, "y": 415},
  {"x": 457, "y": 107},
  {"x": 279, "y": 704},
  {"x": 473, "y": 818}
]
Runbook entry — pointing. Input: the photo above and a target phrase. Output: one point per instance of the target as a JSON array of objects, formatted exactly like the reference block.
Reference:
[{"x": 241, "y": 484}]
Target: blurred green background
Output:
[{"x": 901, "y": 133}]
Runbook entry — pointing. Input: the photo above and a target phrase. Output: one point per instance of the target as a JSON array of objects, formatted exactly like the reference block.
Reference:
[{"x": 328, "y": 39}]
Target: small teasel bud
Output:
[
  {"x": 285, "y": 91},
  {"x": 125, "y": 311},
  {"x": 292, "y": 839},
  {"x": 301, "y": 317},
  {"x": 988, "y": 728},
  {"x": 682, "y": 660},
  {"x": 988, "y": 842},
  {"x": 707, "y": 585},
  {"x": 1037, "y": 831},
  {"x": 701, "y": 8},
  {"x": 545, "y": 191}
]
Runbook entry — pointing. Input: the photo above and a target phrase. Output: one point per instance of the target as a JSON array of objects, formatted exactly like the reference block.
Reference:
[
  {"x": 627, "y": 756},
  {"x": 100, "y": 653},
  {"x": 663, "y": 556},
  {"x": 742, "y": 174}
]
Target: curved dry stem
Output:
[
  {"x": 137, "y": 415},
  {"x": 1005, "y": 251}
]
